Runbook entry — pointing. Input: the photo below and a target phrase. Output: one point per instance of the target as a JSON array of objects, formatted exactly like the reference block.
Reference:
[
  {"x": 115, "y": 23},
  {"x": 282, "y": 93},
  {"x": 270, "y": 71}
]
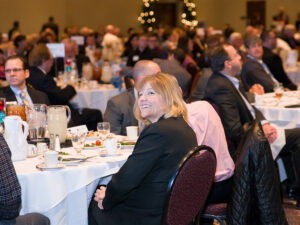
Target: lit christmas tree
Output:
[
  {"x": 147, "y": 16},
  {"x": 148, "y": 20},
  {"x": 188, "y": 16}
]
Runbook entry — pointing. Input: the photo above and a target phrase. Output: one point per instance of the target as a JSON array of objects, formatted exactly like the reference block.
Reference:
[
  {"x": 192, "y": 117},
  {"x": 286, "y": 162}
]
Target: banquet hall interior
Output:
[{"x": 89, "y": 92}]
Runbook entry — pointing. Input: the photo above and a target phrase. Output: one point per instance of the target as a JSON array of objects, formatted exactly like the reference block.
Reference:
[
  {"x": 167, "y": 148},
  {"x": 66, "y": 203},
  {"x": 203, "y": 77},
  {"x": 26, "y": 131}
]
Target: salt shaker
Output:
[{"x": 57, "y": 143}]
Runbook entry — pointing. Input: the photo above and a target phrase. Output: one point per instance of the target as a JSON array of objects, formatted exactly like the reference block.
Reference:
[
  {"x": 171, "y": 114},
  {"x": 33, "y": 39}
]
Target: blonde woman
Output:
[{"x": 136, "y": 194}]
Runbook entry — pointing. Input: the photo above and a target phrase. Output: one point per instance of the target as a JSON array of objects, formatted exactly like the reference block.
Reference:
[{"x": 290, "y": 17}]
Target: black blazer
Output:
[
  {"x": 254, "y": 73},
  {"x": 274, "y": 63},
  {"x": 46, "y": 84},
  {"x": 233, "y": 111},
  {"x": 136, "y": 194},
  {"x": 119, "y": 112},
  {"x": 36, "y": 96}
]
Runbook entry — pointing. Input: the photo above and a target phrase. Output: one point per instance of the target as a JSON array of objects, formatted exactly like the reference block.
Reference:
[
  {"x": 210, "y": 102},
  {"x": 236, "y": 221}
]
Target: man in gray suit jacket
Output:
[{"x": 119, "y": 110}]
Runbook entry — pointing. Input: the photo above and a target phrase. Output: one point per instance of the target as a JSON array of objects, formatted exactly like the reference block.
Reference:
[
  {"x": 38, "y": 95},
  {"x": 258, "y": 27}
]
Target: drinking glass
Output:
[
  {"x": 103, "y": 129},
  {"x": 278, "y": 89},
  {"x": 78, "y": 141}
]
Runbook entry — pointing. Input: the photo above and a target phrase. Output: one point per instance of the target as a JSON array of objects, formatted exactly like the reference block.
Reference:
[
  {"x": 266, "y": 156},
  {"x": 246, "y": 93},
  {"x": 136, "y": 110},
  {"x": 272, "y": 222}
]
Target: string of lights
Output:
[{"x": 148, "y": 20}]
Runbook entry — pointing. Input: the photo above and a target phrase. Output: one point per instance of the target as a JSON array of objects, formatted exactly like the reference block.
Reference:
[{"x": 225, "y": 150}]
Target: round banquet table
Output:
[
  {"x": 64, "y": 194},
  {"x": 277, "y": 112},
  {"x": 95, "y": 98}
]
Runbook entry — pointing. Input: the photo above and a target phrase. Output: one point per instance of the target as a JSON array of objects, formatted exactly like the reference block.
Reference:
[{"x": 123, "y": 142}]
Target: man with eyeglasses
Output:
[{"x": 16, "y": 73}]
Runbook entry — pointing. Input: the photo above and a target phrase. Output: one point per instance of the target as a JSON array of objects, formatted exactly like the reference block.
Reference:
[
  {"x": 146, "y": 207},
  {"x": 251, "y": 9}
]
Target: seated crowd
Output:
[{"x": 187, "y": 90}]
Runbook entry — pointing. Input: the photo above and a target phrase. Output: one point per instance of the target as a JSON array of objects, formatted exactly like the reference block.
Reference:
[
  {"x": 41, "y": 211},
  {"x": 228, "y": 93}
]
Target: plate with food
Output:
[
  {"x": 94, "y": 135},
  {"x": 127, "y": 144},
  {"x": 93, "y": 145}
]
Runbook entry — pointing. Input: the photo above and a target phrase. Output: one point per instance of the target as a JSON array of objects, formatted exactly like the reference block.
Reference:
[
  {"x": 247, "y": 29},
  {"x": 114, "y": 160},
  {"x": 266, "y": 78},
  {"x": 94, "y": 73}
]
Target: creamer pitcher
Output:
[{"x": 58, "y": 118}]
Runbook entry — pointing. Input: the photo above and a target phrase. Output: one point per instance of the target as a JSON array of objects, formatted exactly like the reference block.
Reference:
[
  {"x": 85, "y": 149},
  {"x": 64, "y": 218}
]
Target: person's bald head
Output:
[
  {"x": 144, "y": 68},
  {"x": 110, "y": 29}
]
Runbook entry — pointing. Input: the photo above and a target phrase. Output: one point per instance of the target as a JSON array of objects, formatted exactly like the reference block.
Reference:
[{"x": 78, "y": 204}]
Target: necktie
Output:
[{"x": 24, "y": 98}]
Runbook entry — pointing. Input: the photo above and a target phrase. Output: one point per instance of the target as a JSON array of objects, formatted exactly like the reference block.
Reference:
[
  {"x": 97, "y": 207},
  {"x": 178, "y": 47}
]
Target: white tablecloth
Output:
[
  {"x": 277, "y": 113},
  {"x": 95, "y": 98},
  {"x": 64, "y": 195}
]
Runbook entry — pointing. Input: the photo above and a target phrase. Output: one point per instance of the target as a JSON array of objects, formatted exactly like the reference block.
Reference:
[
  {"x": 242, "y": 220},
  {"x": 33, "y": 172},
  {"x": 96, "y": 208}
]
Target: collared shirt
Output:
[
  {"x": 209, "y": 131},
  {"x": 44, "y": 72},
  {"x": 266, "y": 69},
  {"x": 236, "y": 84},
  {"x": 18, "y": 92},
  {"x": 10, "y": 189}
]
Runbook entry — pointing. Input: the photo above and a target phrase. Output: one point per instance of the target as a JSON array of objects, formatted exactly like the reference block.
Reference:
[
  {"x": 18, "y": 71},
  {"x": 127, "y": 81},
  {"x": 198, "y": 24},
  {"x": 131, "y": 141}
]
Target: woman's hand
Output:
[{"x": 99, "y": 196}]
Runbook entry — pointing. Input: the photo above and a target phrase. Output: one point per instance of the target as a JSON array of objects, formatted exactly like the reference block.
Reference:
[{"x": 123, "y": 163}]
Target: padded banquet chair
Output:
[
  {"x": 190, "y": 186},
  {"x": 129, "y": 82},
  {"x": 215, "y": 211}
]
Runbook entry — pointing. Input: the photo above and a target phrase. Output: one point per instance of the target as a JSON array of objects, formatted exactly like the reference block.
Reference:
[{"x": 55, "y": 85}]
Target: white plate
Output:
[
  {"x": 110, "y": 154},
  {"x": 93, "y": 148},
  {"x": 43, "y": 166},
  {"x": 74, "y": 157},
  {"x": 71, "y": 162}
]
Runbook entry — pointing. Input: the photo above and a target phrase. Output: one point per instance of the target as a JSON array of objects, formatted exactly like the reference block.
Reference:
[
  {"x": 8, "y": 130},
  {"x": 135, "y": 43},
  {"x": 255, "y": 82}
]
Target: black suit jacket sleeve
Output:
[
  {"x": 145, "y": 155},
  {"x": 61, "y": 96},
  {"x": 254, "y": 73},
  {"x": 274, "y": 63},
  {"x": 225, "y": 99}
]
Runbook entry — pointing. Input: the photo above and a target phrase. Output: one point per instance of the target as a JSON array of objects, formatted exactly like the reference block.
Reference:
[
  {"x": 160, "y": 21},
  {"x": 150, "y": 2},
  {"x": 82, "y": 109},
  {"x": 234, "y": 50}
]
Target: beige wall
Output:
[{"x": 123, "y": 13}]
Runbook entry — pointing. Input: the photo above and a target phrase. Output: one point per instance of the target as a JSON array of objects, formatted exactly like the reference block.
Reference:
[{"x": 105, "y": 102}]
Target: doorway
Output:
[
  {"x": 166, "y": 14},
  {"x": 256, "y": 13}
]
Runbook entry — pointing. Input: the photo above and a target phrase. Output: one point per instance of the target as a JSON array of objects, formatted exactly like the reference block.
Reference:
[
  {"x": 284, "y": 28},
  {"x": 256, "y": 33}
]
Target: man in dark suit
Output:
[
  {"x": 254, "y": 69},
  {"x": 40, "y": 60},
  {"x": 235, "y": 111},
  {"x": 273, "y": 61},
  {"x": 16, "y": 73},
  {"x": 119, "y": 110}
]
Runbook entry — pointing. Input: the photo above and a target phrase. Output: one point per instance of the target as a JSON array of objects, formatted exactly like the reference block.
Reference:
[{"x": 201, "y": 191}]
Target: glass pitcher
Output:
[
  {"x": 37, "y": 120},
  {"x": 58, "y": 118}
]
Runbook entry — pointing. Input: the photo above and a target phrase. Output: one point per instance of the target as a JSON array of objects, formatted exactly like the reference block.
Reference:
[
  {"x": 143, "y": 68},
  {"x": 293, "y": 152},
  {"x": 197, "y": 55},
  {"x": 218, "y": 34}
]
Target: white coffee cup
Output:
[
  {"x": 132, "y": 132},
  {"x": 112, "y": 145},
  {"x": 41, "y": 147},
  {"x": 31, "y": 150},
  {"x": 51, "y": 158}
]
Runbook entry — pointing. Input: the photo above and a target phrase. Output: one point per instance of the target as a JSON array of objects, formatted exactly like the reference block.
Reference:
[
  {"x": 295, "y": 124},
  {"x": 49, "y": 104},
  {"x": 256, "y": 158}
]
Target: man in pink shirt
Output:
[{"x": 205, "y": 122}]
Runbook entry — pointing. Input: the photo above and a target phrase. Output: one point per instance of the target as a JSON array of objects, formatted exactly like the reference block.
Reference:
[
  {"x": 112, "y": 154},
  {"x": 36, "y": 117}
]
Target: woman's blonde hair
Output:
[{"x": 167, "y": 86}]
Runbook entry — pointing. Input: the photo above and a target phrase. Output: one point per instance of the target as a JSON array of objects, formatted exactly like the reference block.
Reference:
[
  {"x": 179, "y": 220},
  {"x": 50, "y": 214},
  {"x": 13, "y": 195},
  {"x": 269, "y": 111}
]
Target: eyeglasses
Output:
[{"x": 15, "y": 70}]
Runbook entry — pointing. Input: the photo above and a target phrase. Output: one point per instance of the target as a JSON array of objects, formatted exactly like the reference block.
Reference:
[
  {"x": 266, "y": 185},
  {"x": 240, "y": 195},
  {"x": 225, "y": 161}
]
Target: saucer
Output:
[{"x": 43, "y": 166}]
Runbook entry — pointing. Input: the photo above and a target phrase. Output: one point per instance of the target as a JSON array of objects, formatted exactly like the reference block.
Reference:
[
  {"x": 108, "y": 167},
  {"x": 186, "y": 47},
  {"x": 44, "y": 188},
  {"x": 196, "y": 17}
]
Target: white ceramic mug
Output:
[
  {"x": 112, "y": 145},
  {"x": 51, "y": 159},
  {"x": 31, "y": 150},
  {"x": 41, "y": 147},
  {"x": 132, "y": 132}
]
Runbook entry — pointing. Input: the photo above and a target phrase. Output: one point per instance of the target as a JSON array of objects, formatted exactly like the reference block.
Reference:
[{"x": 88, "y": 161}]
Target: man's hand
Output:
[
  {"x": 257, "y": 89},
  {"x": 99, "y": 196},
  {"x": 270, "y": 132}
]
